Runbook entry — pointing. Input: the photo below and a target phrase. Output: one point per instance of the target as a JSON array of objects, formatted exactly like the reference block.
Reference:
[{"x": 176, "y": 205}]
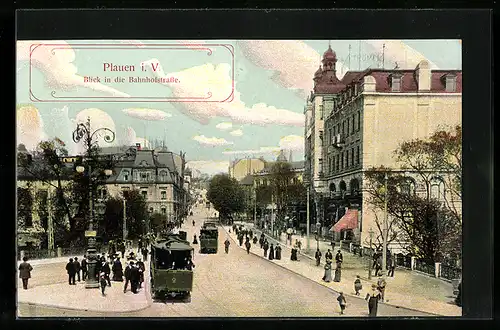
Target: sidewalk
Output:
[
  {"x": 405, "y": 289},
  {"x": 77, "y": 297}
]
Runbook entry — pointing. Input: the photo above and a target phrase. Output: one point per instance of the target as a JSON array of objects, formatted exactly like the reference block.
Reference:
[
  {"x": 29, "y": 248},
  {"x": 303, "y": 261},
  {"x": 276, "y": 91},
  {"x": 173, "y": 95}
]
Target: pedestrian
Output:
[
  {"x": 338, "y": 272},
  {"x": 277, "y": 252},
  {"x": 342, "y": 302},
  {"x": 189, "y": 263},
  {"x": 293, "y": 255},
  {"x": 145, "y": 252},
  {"x": 392, "y": 266},
  {"x": 261, "y": 240},
  {"x": 142, "y": 269},
  {"x": 255, "y": 240},
  {"x": 103, "y": 282},
  {"x": 193, "y": 222},
  {"x": 299, "y": 245},
  {"x": 378, "y": 267},
  {"x": 266, "y": 247},
  {"x": 134, "y": 277},
  {"x": 247, "y": 246},
  {"x": 240, "y": 239},
  {"x": 83, "y": 265},
  {"x": 77, "y": 268},
  {"x": 327, "y": 277},
  {"x": 117, "y": 269},
  {"x": 25, "y": 272},
  {"x": 226, "y": 245},
  {"x": 122, "y": 249},
  {"x": 317, "y": 256},
  {"x": 251, "y": 234},
  {"x": 328, "y": 255},
  {"x": 381, "y": 285},
  {"x": 339, "y": 257},
  {"x": 127, "y": 277},
  {"x": 333, "y": 245},
  {"x": 271, "y": 252},
  {"x": 195, "y": 239},
  {"x": 357, "y": 285},
  {"x": 71, "y": 270},
  {"x": 373, "y": 297},
  {"x": 106, "y": 269}
]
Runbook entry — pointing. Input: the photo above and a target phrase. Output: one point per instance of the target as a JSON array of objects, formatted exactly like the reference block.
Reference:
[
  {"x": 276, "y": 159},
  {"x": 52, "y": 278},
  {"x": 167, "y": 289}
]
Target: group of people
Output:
[
  {"x": 339, "y": 259},
  {"x": 274, "y": 252},
  {"x": 377, "y": 263}
]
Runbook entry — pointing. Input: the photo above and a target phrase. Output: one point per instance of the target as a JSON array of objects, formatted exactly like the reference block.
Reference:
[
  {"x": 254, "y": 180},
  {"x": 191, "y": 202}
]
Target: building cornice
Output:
[{"x": 410, "y": 94}]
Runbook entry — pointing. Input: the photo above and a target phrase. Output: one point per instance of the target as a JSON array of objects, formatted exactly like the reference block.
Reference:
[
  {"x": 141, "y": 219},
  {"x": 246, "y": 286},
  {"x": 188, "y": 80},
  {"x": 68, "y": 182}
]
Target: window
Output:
[
  {"x": 151, "y": 210},
  {"x": 329, "y": 164},
  {"x": 348, "y": 126},
  {"x": 396, "y": 83},
  {"x": 144, "y": 193},
  {"x": 451, "y": 83},
  {"x": 320, "y": 161},
  {"x": 342, "y": 161},
  {"x": 353, "y": 119},
  {"x": 359, "y": 120},
  {"x": 408, "y": 187},
  {"x": 347, "y": 158},
  {"x": 163, "y": 210},
  {"x": 143, "y": 176},
  {"x": 343, "y": 128},
  {"x": 321, "y": 111},
  {"x": 163, "y": 194},
  {"x": 357, "y": 155},
  {"x": 437, "y": 189},
  {"x": 125, "y": 175}
]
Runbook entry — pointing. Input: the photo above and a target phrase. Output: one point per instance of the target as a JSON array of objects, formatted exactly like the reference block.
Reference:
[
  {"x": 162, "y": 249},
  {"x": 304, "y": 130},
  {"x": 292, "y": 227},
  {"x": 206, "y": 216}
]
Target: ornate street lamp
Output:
[{"x": 84, "y": 132}]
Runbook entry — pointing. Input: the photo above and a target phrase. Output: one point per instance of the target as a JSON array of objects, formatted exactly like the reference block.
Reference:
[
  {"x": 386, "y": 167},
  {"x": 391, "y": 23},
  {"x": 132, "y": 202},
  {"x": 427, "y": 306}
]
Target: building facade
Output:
[
  {"x": 240, "y": 168},
  {"x": 371, "y": 113}
]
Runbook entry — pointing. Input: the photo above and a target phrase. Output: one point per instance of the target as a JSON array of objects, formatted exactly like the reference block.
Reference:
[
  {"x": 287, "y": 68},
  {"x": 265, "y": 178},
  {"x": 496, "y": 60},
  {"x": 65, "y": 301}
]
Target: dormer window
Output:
[
  {"x": 395, "y": 79},
  {"x": 451, "y": 82}
]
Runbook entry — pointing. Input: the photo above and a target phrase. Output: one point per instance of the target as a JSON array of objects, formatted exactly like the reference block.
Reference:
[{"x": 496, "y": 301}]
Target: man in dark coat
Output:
[
  {"x": 226, "y": 245},
  {"x": 25, "y": 272},
  {"x": 142, "y": 269},
  {"x": 261, "y": 240},
  {"x": 71, "y": 270},
  {"x": 240, "y": 239},
  {"x": 277, "y": 252},
  {"x": 247, "y": 246},
  {"x": 271, "y": 252},
  {"x": 317, "y": 256},
  {"x": 121, "y": 248},
  {"x": 117, "y": 270},
  {"x": 84, "y": 268},
  {"x": 339, "y": 257},
  {"x": 144, "y": 253},
  {"x": 328, "y": 255},
  {"x": 77, "y": 268},
  {"x": 107, "y": 270},
  {"x": 266, "y": 247},
  {"x": 134, "y": 277},
  {"x": 127, "y": 277},
  {"x": 392, "y": 266}
]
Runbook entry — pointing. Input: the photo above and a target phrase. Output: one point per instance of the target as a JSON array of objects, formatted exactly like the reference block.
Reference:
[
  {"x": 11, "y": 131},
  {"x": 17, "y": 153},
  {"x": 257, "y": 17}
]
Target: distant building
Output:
[{"x": 240, "y": 168}]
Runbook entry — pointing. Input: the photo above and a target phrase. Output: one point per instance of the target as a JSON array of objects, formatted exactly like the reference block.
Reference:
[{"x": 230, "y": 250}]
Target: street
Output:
[{"x": 232, "y": 285}]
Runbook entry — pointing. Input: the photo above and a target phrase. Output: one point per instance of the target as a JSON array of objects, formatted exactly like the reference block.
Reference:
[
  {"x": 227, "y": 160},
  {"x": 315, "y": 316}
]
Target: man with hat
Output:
[
  {"x": 134, "y": 277},
  {"x": 142, "y": 269},
  {"x": 117, "y": 269},
  {"x": 127, "y": 276},
  {"x": 77, "y": 268}
]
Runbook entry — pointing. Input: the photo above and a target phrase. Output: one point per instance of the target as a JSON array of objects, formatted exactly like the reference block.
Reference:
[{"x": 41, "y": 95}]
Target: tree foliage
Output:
[
  {"x": 226, "y": 195},
  {"x": 137, "y": 213},
  {"x": 158, "y": 222}
]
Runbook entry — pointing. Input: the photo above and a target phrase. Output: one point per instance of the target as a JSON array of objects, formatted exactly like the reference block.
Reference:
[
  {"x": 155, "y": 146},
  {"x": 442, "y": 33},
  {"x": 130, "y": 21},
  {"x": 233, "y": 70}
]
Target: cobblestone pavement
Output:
[
  {"x": 236, "y": 285},
  {"x": 406, "y": 289}
]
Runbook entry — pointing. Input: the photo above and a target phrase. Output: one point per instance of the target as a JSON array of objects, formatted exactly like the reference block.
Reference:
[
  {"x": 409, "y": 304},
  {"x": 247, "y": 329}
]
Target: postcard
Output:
[{"x": 239, "y": 178}]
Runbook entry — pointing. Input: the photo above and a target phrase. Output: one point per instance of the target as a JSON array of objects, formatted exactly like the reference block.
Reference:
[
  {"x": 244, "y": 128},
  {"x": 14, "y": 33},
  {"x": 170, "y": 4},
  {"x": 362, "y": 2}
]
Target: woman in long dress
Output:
[
  {"x": 338, "y": 272},
  {"x": 277, "y": 252},
  {"x": 373, "y": 298},
  {"x": 271, "y": 252},
  {"x": 328, "y": 272}
]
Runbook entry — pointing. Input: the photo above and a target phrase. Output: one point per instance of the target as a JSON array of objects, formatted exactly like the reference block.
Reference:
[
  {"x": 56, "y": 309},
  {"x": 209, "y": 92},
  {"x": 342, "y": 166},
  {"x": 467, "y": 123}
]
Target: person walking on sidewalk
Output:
[
  {"x": 106, "y": 269},
  {"x": 84, "y": 268},
  {"x": 328, "y": 255},
  {"x": 277, "y": 252},
  {"x": 392, "y": 266},
  {"x": 271, "y": 252},
  {"x": 134, "y": 277},
  {"x": 381, "y": 284},
  {"x": 255, "y": 240},
  {"x": 145, "y": 252},
  {"x": 357, "y": 285},
  {"x": 103, "y": 282},
  {"x": 226, "y": 245},
  {"x": 25, "y": 272},
  {"x": 338, "y": 272},
  {"x": 339, "y": 257},
  {"x": 317, "y": 256},
  {"x": 117, "y": 269},
  {"x": 77, "y": 268},
  {"x": 261, "y": 240},
  {"x": 327, "y": 277},
  {"x": 195, "y": 239},
  {"x": 194, "y": 223},
  {"x": 247, "y": 246},
  {"x": 266, "y": 247},
  {"x": 373, "y": 297},
  {"x": 142, "y": 269},
  {"x": 127, "y": 277},
  {"x": 71, "y": 270},
  {"x": 342, "y": 302}
]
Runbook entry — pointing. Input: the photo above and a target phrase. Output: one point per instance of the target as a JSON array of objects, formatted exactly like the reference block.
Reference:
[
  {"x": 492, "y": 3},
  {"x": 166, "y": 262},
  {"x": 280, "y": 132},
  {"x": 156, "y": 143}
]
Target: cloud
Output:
[
  {"x": 143, "y": 142},
  {"x": 224, "y": 126},
  {"x": 211, "y": 141},
  {"x": 146, "y": 114},
  {"x": 57, "y": 65},
  {"x": 29, "y": 126},
  {"x": 208, "y": 166},
  {"x": 216, "y": 79},
  {"x": 237, "y": 132},
  {"x": 260, "y": 151},
  {"x": 292, "y": 142},
  {"x": 126, "y": 136},
  {"x": 58, "y": 124},
  {"x": 293, "y": 61},
  {"x": 398, "y": 51},
  {"x": 98, "y": 119}
]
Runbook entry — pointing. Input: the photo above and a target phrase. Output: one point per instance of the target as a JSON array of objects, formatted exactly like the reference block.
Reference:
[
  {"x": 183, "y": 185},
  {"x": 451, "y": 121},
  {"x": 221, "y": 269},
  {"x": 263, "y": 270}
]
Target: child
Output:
[
  {"x": 357, "y": 285},
  {"x": 342, "y": 302},
  {"x": 103, "y": 281}
]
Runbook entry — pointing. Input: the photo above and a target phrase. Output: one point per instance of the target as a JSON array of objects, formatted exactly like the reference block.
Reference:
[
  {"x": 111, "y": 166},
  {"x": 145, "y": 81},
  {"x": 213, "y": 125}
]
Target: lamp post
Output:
[
  {"x": 385, "y": 229},
  {"x": 84, "y": 132},
  {"x": 370, "y": 260}
]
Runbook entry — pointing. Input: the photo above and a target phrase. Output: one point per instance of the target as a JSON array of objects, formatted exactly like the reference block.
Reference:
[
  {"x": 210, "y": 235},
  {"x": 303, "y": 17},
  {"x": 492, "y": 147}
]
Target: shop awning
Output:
[{"x": 348, "y": 221}]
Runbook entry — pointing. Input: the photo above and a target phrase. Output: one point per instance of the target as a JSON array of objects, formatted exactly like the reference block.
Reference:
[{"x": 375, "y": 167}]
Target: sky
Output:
[{"x": 232, "y": 98}]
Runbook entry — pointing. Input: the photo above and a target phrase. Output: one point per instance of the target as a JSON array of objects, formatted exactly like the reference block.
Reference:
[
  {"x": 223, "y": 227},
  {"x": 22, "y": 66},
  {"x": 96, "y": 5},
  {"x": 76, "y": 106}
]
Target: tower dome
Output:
[{"x": 330, "y": 54}]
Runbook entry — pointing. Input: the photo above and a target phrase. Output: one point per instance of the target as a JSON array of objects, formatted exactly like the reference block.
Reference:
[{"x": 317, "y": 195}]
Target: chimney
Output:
[{"x": 423, "y": 76}]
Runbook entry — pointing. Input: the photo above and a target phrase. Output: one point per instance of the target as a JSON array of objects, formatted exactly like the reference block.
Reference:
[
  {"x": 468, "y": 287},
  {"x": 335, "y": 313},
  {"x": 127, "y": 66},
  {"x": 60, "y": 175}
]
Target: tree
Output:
[
  {"x": 137, "y": 213},
  {"x": 113, "y": 219},
  {"x": 226, "y": 195},
  {"x": 429, "y": 228},
  {"x": 158, "y": 222}
]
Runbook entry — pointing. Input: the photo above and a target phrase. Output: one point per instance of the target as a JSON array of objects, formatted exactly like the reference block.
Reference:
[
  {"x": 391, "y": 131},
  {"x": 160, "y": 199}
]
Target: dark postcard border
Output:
[{"x": 472, "y": 26}]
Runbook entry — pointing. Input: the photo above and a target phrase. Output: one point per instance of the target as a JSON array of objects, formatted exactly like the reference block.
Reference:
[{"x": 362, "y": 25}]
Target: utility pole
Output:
[
  {"x": 50, "y": 225},
  {"x": 308, "y": 243},
  {"x": 124, "y": 219},
  {"x": 370, "y": 260},
  {"x": 384, "y": 231}
]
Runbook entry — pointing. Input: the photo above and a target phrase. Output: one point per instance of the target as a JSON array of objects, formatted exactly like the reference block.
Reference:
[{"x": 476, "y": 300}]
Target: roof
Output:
[
  {"x": 166, "y": 159},
  {"x": 247, "y": 180},
  {"x": 172, "y": 242},
  {"x": 144, "y": 158}
]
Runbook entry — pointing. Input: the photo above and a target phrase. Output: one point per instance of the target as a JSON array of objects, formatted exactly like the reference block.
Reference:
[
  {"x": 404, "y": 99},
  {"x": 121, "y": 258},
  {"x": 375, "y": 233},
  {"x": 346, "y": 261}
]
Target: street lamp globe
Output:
[
  {"x": 80, "y": 169},
  {"x": 108, "y": 172}
]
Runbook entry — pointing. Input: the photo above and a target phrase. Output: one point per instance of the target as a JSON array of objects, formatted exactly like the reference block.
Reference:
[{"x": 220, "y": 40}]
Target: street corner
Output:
[{"x": 77, "y": 297}]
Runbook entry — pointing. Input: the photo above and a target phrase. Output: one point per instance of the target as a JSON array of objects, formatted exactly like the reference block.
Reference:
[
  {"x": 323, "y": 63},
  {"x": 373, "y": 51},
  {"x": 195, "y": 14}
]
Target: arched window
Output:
[
  {"x": 163, "y": 175},
  {"x": 342, "y": 186},
  {"x": 437, "y": 188},
  {"x": 332, "y": 186},
  {"x": 408, "y": 186},
  {"x": 354, "y": 185},
  {"x": 125, "y": 175}
]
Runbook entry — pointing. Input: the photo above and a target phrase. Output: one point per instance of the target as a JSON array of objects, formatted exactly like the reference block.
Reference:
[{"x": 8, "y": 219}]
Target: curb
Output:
[{"x": 329, "y": 288}]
